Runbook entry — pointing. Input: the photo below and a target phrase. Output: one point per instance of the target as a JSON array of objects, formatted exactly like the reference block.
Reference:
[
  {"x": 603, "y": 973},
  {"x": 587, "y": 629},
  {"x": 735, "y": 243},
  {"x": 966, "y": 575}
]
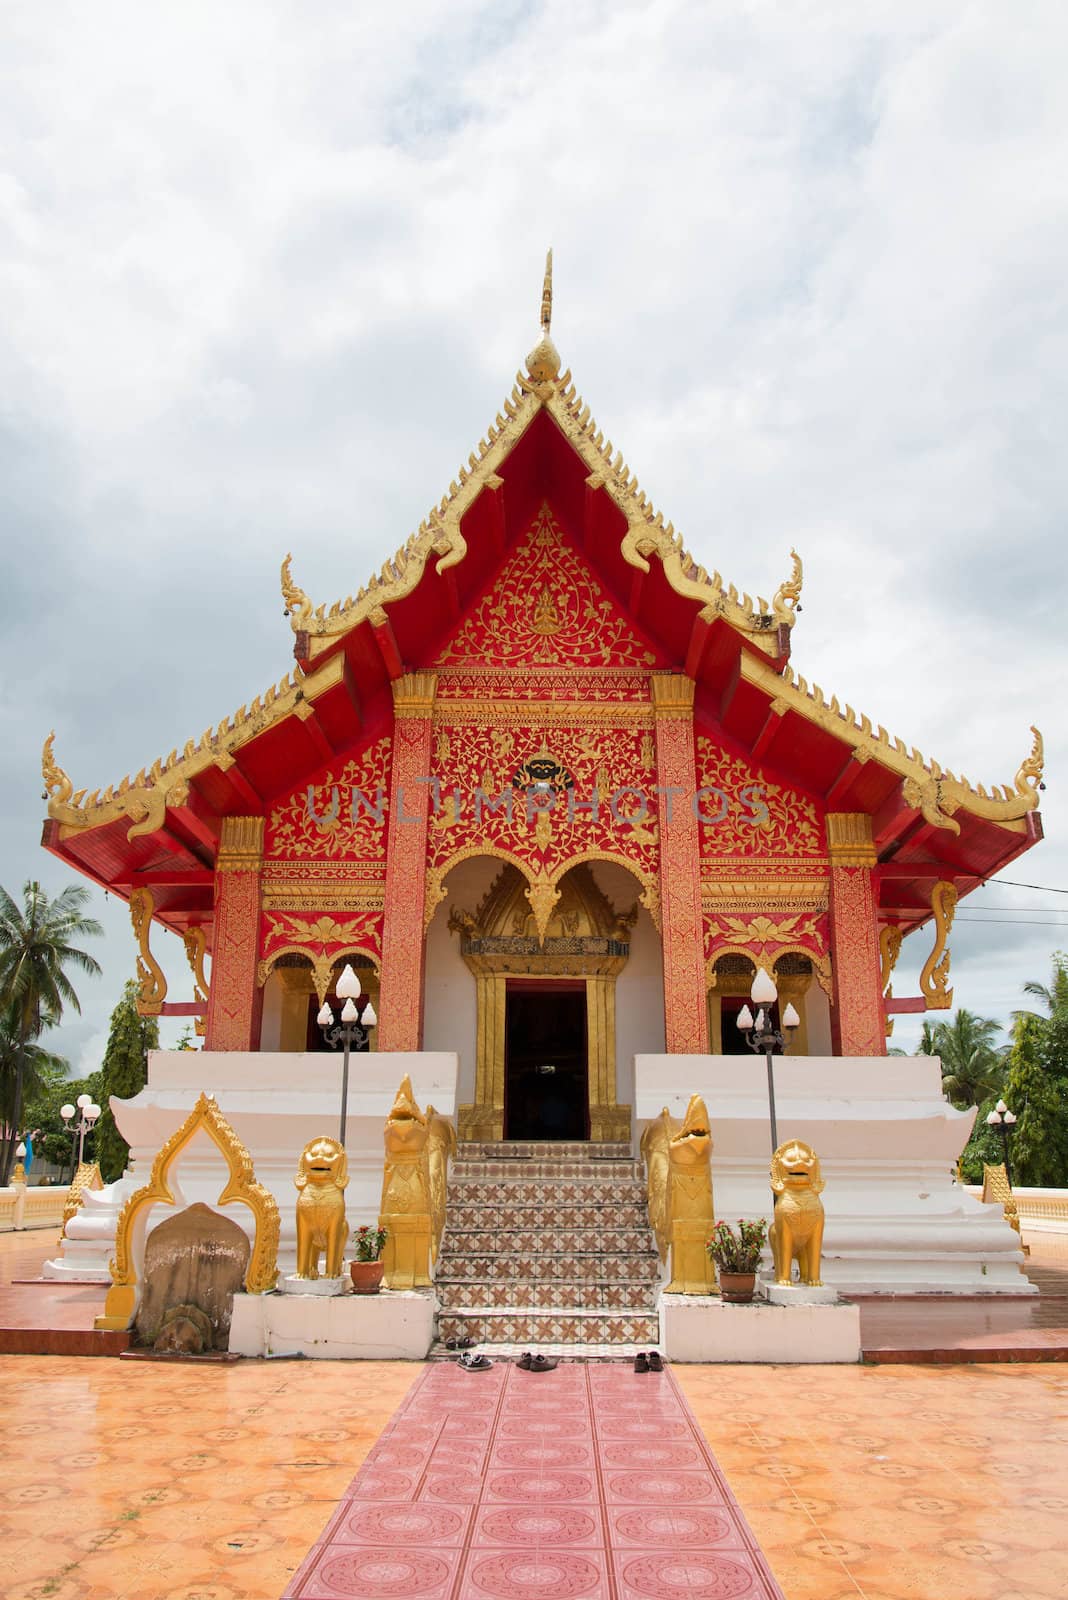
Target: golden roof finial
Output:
[{"x": 543, "y": 362}]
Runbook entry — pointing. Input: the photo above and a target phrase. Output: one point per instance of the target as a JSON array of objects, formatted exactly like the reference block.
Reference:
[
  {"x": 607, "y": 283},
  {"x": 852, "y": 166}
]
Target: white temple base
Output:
[
  {"x": 698, "y": 1328},
  {"x": 319, "y": 1288},
  {"x": 86, "y": 1249},
  {"x": 888, "y": 1142},
  {"x": 388, "y": 1326},
  {"x": 798, "y": 1294}
]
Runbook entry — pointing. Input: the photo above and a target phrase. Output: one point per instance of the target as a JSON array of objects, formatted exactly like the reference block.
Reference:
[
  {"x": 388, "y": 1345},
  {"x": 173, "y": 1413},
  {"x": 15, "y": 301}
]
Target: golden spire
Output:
[{"x": 543, "y": 362}]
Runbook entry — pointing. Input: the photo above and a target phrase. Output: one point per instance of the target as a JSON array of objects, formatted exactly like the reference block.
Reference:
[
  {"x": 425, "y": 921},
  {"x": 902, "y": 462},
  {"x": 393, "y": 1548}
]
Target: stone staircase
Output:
[{"x": 548, "y": 1244}]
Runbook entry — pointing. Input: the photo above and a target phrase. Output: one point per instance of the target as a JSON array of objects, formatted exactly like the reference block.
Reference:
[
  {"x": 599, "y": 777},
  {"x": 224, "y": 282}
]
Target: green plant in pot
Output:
[
  {"x": 367, "y": 1266},
  {"x": 736, "y": 1253}
]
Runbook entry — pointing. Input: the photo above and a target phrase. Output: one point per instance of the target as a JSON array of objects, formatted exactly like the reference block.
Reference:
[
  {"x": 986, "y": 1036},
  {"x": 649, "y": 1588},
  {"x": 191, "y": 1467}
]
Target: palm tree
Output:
[
  {"x": 972, "y": 1068},
  {"x": 926, "y": 1046},
  {"x": 37, "y": 1061},
  {"x": 1054, "y": 996},
  {"x": 35, "y": 951}
]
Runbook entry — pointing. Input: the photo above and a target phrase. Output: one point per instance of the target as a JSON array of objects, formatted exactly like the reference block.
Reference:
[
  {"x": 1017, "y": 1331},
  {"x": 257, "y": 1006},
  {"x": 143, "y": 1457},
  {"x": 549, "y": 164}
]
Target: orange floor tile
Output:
[{"x": 134, "y": 1481}]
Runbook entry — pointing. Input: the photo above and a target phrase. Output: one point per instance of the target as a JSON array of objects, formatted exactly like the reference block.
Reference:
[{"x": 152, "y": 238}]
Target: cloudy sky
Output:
[{"x": 267, "y": 271}]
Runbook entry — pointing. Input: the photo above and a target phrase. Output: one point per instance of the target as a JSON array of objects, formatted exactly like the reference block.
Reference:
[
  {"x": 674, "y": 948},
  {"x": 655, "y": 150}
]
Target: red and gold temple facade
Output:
[{"x": 544, "y": 747}]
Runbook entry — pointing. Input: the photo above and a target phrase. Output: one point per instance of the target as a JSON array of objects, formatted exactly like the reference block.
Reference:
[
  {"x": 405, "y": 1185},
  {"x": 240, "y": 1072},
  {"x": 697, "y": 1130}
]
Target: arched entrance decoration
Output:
[
  {"x": 511, "y": 936},
  {"x": 241, "y": 1186},
  {"x": 730, "y": 978},
  {"x": 301, "y": 975}
]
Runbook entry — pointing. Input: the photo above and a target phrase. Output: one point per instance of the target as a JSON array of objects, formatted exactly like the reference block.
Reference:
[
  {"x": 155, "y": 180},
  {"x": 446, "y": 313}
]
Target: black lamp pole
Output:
[
  {"x": 760, "y": 1036},
  {"x": 1004, "y": 1121},
  {"x": 353, "y": 1027}
]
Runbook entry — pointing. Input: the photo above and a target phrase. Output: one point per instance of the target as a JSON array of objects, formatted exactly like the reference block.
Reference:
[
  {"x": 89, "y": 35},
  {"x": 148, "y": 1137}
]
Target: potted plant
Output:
[
  {"x": 367, "y": 1267},
  {"x": 737, "y": 1257}
]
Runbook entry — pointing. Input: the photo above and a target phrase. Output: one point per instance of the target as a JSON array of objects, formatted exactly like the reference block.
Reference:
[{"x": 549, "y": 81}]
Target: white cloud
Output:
[{"x": 267, "y": 275}]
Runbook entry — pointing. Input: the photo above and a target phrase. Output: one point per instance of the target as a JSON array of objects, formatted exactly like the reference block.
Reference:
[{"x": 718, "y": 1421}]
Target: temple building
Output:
[{"x": 556, "y": 791}]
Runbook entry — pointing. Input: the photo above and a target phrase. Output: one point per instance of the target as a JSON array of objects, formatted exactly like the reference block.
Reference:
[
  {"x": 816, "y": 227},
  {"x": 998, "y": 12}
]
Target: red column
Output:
[
  {"x": 857, "y": 1022},
  {"x": 685, "y": 1000},
  {"x": 400, "y": 1021},
  {"x": 235, "y": 999}
]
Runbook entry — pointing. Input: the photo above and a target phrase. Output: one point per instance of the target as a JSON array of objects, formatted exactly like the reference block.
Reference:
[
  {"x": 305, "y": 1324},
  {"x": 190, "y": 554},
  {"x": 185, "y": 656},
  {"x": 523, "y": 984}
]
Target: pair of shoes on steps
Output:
[
  {"x": 648, "y": 1361},
  {"x": 459, "y": 1343},
  {"x": 535, "y": 1363},
  {"x": 472, "y": 1363}
]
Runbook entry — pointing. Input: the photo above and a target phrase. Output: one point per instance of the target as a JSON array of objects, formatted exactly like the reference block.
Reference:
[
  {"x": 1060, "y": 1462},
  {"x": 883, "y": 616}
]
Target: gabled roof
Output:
[{"x": 736, "y": 649}]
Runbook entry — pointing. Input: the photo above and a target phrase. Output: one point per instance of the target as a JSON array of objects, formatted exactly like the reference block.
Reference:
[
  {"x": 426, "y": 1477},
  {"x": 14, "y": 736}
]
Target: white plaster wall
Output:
[
  {"x": 449, "y": 1009},
  {"x": 818, "y": 1018},
  {"x": 640, "y": 986},
  {"x": 271, "y": 1020}
]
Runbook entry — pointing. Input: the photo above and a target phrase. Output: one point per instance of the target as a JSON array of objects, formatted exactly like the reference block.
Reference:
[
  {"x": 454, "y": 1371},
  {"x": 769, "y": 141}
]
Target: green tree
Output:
[
  {"x": 972, "y": 1070},
  {"x": 1036, "y": 1089},
  {"x": 1054, "y": 995},
  {"x": 35, "y": 954},
  {"x": 123, "y": 1074},
  {"x": 41, "y": 1069},
  {"x": 926, "y": 1046}
]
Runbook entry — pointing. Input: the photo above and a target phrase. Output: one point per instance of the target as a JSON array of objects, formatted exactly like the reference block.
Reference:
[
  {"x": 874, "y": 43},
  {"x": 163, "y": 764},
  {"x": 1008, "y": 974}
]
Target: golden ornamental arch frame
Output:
[
  {"x": 436, "y": 891},
  {"x": 821, "y": 965},
  {"x": 321, "y": 966},
  {"x": 241, "y": 1186}
]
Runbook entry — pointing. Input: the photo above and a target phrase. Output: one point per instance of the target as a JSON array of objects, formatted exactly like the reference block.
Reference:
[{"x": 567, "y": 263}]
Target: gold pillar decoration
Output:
[
  {"x": 235, "y": 999},
  {"x": 685, "y": 1010},
  {"x": 321, "y": 1181},
  {"x": 797, "y": 1227},
  {"x": 934, "y": 979},
  {"x": 241, "y": 1187},
  {"x": 153, "y": 985},
  {"x": 403, "y": 937},
  {"x": 655, "y": 1144},
  {"x": 196, "y": 949},
  {"x": 689, "y": 1203},
  {"x": 858, "y": 1020},
  {"x": 584, "y": 937},
  {"x": 406, "y": 1200},
  {"x": 997, "y": 1191},
  {"x": 88, "y": 1176},
  {"x": 441, "y": 1148}
]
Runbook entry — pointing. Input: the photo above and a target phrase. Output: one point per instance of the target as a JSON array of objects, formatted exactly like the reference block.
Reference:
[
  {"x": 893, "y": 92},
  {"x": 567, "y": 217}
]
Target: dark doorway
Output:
[{"x": 546, "y": 1087}]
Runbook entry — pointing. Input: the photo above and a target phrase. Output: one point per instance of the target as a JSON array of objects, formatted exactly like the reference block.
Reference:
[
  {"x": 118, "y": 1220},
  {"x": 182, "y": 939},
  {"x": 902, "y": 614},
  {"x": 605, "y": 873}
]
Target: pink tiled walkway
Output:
[{"x": 587, "y": 1483}]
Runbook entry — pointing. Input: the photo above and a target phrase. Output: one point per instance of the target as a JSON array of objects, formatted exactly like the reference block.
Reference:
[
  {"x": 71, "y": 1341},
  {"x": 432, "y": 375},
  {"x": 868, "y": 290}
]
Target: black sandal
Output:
[
  {"x": 542, "y": 1364},
  {"x": 655, "y": 1360},
  {"x": 458, "y": 1342}
]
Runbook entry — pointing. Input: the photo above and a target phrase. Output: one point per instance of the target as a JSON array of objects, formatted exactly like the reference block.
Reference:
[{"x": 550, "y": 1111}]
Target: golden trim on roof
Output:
[
  {"x": 145, "y": 798},
  {"x": 931, "y": 789},
  {"x": 544, "y": 387}
]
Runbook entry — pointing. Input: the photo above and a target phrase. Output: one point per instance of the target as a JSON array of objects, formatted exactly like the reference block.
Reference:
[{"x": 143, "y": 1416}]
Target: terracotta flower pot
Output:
[
  {"x": 366, "y": 1276},
  {"x": 737, "y": 1288}
]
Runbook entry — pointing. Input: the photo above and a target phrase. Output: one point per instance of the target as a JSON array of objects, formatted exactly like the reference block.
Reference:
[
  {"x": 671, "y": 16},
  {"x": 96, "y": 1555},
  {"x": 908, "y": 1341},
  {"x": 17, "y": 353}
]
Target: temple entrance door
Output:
[{"x": 546, "y": 1060}]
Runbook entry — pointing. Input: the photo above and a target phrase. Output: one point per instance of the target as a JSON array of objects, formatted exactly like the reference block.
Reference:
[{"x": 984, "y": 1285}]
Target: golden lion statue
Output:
[
  {"x": 407, "y": 1207},
  {"x": 321, "y": 1179},
  {"x": 797, "y": 1228},
  {"x": 689, "y": 1210},
  {"x": 441, "y": 1148},
  {"x": 654, "y": 1147}
]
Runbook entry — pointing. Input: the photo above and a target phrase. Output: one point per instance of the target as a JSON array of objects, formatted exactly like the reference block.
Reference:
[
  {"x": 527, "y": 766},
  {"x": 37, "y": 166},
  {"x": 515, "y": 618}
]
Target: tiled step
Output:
[
  {"x": 526, "y": 1325},
  {"x": 631, "y": 1267},
  {"x": 510, "y": 1218},
  {"x": 543, "y": 1150},
  {"x": 544, "y": 1192},
  {"x": 545, "y": 1242},
  {"x": 533, "y": 1171},
  {"x": 540, "y": 1292}
]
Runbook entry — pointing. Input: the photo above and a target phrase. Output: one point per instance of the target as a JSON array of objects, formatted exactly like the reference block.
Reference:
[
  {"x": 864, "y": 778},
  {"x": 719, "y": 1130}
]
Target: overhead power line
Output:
[{"x": 1045, "y": 888}]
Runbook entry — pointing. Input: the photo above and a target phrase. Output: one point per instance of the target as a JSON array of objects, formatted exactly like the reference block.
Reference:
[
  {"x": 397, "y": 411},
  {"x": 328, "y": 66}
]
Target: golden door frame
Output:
[{"x": 586, "y": 938}]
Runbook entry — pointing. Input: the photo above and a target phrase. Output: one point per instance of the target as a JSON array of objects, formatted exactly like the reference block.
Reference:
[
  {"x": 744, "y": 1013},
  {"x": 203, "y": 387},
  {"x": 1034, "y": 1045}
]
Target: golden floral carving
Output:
[
  {"x": 934, "y": 979},
  {"x": 761, "y": 818},
  {"x": 152, "y": 989},
  {"x": 328, "y": 820},
  {"x": 546, "y": 607},
  {"x": 196, "y": 948},
  {"x": 58, "y": 786}
]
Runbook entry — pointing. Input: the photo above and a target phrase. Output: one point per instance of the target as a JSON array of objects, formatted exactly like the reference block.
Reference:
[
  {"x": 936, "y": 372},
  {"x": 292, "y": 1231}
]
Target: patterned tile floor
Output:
[
  {"x": 509, "y": 1485},
  {"x": 131, "y": 1481}
]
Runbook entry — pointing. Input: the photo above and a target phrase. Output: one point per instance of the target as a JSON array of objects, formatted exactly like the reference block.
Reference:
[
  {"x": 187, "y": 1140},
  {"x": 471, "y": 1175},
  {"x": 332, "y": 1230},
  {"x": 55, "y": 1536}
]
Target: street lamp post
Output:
[
  {"x": 85, "y": 1123},
  {"x": 354, "y": 1028},
  {"x": 761, "y": 1036},
  {"x": 1004, "y": 1121}
]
